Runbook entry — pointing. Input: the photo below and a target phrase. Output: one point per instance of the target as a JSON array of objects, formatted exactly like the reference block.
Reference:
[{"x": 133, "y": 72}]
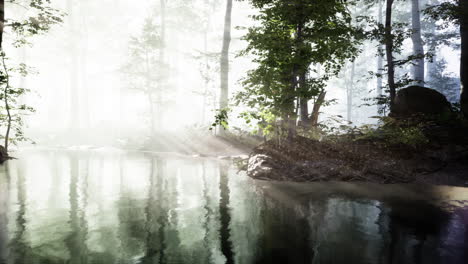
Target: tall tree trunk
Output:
[
  {"x": 431, "y": 64},
  {"x": 206, "y": 80},
  {"x": 464, "y": 56},
  {"x": 349, "y": 93},
  {"x": 304, "y": 111},
  {"x": 389, "y": 52},
  {"x": 380, "y": 107},
  {"x": 418, "y": 47},
  {"x": 223, "y": 99},
  {"x": 149, "y": 94},
  {"x": 7, "y": 84},
  {"x": 162, "y": 4},
  {"x": 84, "y": 69},
  {"x": 290, "y": 114},
  {"x": 163, "y": 66},
  {"x": 2, "y": 22},
  {"x": 74, "y": 96},
  {"x": 303, "y": 102},
  {"x": 316, "y": 110}
]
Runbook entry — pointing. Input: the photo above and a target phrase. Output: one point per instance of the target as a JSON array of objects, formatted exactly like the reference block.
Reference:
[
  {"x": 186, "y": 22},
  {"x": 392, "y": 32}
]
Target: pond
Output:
[{"x": 110, "y": 206}]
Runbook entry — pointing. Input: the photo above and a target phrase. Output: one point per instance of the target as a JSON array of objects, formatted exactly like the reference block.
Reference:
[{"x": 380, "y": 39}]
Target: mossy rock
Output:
[{"x": 417, "y": 100}]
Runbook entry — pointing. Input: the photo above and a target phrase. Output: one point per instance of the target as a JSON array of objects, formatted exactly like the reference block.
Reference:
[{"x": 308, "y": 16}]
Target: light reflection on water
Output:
[{"x": 117, "y": 207}]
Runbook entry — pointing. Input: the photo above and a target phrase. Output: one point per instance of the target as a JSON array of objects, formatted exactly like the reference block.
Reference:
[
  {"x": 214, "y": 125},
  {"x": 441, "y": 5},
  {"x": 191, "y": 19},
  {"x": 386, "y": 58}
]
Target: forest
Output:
[{"x": 233, "y": 131}]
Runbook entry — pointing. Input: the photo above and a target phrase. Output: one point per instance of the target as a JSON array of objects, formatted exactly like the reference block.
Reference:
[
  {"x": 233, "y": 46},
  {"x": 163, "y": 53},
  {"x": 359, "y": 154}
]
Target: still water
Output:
[{"x": 103, "y": 207}]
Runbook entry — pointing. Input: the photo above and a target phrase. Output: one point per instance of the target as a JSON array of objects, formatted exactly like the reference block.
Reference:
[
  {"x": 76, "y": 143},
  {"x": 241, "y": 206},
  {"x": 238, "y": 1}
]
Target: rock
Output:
[
  {"x": 261, "y": 166},
  {"x": 419, "y": 100}
]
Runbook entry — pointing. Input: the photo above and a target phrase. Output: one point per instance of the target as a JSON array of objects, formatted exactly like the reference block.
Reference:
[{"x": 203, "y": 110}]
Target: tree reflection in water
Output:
[{"x": 96, "y": 207}]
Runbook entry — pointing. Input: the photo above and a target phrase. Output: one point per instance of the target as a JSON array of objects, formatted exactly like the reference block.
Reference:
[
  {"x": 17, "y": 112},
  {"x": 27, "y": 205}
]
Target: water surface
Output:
[{"x": 101, "y": 207}]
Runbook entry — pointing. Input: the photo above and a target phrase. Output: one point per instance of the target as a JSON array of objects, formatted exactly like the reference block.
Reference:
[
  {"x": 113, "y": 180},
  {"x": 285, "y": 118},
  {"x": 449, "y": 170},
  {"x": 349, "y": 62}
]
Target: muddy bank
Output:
[{"x": 307, "y": 160}]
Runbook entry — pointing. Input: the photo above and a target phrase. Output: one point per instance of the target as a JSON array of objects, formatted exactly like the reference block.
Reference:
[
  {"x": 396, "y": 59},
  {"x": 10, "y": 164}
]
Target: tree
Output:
[
  {"x": 349, "y": 93},
  {"x": 464, "y": 56},
  {"x": 73, "y": 48},
  {"x": 292, "y": 41},
  {"x": 389, "y": 46},
  {"x": 41, "y": 16},
  {"x": 209, "y": 62},
  {"x": 456, "y": 12},
  {"x": 224, "y": 69},
  {"x": 143, "y": 67},
  {"x": 445, "y": 83},
  {"x": 380, "y": 62},
  {"x": 418, "y": 47},
  {"x": 392, "y": 35},
  {"x": 2, "y": 21}
]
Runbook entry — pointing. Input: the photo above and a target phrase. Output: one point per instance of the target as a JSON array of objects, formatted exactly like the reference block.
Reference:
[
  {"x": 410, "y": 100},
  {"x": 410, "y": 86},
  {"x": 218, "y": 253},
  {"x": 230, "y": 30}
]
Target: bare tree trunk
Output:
[
  {"x": 380, "y": 63},
  {"x": 7, "y": 105},
  {"x": 205, "y": 81},
  {"x": 431, "y": 65},
  {"x": 303, "y": 102},
  {"x": 349, "y": 93},
  {"x": 5, "y": 91},
  {"x": 290, "y": 114},
  {"x": 162, "y": 60},
  {"x": 223, "y": 99},
  {"x": 304, "y": 108},
  {"x": 2, "y": 22},
  {"x": 149, "y": 97},
  {"x": 74, "y": 96},
  {"x": 84, "y": 70},
  {"x": 464, "y": 56},
  {"x": 389, "y": 51},
  {"x": 149, "y": 93},
  {"x": 418, "y": 47},
  {"x": 163, "y": 30},
  {"x": 316, "y": 110}
]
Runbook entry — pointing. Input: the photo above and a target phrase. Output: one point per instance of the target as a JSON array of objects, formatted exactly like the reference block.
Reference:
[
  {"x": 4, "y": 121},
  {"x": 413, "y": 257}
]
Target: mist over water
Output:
[{"x": 123, "y": 207}]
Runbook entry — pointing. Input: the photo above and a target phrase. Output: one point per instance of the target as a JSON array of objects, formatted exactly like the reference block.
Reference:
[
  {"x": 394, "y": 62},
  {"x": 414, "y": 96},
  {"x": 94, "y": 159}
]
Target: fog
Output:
[{"x": 87, "y": 86}]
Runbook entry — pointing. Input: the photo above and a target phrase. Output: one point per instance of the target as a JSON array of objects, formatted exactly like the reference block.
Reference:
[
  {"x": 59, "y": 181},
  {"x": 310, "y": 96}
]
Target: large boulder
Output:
[{"x": 419, "y": 100}]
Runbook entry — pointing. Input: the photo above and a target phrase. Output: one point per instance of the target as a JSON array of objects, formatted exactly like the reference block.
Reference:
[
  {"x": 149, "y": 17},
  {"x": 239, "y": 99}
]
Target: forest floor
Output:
[{"x": 440, "y": 160}]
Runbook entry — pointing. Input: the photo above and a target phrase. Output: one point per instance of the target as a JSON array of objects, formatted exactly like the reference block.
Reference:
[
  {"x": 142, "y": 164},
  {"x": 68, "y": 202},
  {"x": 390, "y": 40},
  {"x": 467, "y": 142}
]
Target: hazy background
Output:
[{"x": 80, "y": 65}]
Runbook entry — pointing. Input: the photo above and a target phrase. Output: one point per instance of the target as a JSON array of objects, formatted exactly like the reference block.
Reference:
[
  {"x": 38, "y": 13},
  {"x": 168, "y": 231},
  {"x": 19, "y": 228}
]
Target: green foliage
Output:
[
  {"x": 394, "y": 132},
  {"x": 290, "y": 38},
  {"x": 449, "y": 12},
  {"x": 39, "y": 19},
  {"x": 400, "y": 31},
  {"x": 221, "y": 119},
  {"x": 409, "y": 136},
  {"x": 389, "y": 132},
  {"x": 12, "y": 96},
  {"x": 143, "y": 68},
  {"x": 445, "y": 83}
]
